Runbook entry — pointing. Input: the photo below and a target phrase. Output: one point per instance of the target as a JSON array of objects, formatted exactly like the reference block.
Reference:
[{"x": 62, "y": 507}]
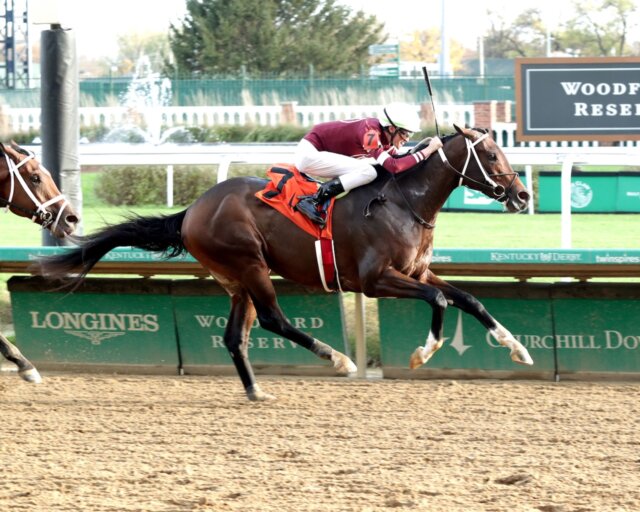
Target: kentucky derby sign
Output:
[{"x": 578, "y": 99}]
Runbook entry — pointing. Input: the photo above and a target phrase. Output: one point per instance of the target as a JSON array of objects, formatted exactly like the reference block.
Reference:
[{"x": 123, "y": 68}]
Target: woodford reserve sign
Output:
[{"x": 578, "y": 99}]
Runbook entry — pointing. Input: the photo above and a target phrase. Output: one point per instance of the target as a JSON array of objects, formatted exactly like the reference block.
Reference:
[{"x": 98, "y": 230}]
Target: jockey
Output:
[{"x": 346, "y": 151}]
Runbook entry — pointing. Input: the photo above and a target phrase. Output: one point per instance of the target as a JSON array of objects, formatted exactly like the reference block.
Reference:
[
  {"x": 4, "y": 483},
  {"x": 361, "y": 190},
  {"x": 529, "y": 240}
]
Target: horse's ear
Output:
[
  {"x": 15, "y": 147},
  {"x": 464, "y": 131}
]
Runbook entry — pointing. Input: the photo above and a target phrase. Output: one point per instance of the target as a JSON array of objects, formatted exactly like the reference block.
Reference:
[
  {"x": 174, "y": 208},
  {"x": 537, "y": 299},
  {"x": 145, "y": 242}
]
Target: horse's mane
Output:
[
  {"x": 425, "y": 142},
  {"x": 444, "y": 138}
]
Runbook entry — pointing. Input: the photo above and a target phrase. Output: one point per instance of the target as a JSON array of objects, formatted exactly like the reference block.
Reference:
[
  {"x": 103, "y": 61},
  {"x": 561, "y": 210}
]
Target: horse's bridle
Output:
[
  {"x": 498, "y": 192},
  {"x": 41, "y": 213}
]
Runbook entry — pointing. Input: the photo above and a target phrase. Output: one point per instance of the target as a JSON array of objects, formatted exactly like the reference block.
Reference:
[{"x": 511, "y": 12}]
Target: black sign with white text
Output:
[{"x": 578, "y": 98}]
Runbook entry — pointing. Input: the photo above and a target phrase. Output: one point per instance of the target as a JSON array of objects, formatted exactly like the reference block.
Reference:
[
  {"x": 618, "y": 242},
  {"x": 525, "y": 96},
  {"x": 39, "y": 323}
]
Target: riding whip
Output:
[{"x": 428, "y": 82}]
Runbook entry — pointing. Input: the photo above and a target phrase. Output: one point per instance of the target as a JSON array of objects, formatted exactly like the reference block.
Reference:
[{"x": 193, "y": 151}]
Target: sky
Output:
[{"x": 97, "y": 24}]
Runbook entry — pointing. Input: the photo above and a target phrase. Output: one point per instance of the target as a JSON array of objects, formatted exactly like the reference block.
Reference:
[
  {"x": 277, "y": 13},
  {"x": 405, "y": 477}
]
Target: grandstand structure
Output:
[{"x": 15, "y": 47}]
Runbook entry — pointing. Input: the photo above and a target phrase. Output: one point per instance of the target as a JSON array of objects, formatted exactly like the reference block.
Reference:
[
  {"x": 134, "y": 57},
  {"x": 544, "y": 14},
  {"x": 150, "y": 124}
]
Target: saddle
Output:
[
  {"x": 283, "y": 191},
  {"x": 285, "y": 188}
]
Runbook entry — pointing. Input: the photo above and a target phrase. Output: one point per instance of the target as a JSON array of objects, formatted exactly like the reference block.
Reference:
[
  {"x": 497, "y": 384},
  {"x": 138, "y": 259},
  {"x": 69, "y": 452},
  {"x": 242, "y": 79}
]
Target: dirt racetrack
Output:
[{"x": 137, "y": 443}]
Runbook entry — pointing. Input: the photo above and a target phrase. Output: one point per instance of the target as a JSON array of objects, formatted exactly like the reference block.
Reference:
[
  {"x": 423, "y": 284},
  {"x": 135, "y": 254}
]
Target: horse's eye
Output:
[
  {"x": 35, "y": 179},
  {"x": 492, "y": 156}
]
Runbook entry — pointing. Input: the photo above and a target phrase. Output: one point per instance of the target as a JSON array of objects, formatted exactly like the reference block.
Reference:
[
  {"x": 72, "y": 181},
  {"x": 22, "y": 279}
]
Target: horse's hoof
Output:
[
  {"x": 32, "y": 375},
  {"x": 521, "y": 356},
  {"x": 342, "y": 363},
  {"x": 418, "y": 358},
  {"x": 255, "y": 394}
]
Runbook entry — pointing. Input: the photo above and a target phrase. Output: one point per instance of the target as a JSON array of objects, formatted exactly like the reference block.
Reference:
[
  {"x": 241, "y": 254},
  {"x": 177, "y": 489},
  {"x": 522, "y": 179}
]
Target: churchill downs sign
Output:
[{"x": 578, "y": 99}]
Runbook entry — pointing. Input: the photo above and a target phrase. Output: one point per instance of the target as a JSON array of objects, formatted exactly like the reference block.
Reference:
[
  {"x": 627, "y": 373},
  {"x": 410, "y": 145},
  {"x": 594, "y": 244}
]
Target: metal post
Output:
[
  {"x": 59, "y": 130},
  {"x": 565, "y": 202},
  {"x": 361, "y": 338},
  {"x": 170, "y": 186},
  {"x": 528, "y": 173}
]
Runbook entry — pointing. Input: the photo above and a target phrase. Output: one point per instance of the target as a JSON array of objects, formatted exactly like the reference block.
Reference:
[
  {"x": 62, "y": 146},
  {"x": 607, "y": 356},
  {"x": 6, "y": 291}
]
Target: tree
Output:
[
  {"x": 424, "y": 46},
  {"x": 132, "y": 46},
  {"x": 280, "y": 37},
  {"x": 600, "y": 29},
  {"x": 523, "y": 37}
]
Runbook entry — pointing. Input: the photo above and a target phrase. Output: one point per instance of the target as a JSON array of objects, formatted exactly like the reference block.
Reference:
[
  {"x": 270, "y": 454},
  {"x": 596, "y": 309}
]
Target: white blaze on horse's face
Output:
[{"x": 32, "y": 192}]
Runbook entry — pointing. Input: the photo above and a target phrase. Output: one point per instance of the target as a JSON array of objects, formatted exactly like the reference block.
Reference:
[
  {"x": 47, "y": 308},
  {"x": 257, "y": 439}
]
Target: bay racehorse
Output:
[
  {"x": 383, "y": 235},
  {"x": 28, "y": 190}
]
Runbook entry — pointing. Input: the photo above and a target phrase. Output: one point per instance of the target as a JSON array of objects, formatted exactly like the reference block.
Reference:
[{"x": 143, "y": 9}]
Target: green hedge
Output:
[
  {"x": 146, "y": 185},
  {"x": 194, "y": 134},
  {"x": 199, "y": 134}
]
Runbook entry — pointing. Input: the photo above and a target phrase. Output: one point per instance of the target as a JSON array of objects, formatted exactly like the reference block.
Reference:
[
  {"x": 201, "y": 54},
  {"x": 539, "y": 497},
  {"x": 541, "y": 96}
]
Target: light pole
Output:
[{"x": 444, "y": 64}]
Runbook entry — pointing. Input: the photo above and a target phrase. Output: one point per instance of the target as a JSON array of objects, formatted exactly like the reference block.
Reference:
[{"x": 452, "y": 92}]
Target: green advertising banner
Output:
[
  {"x": 597, "y": 327},
  {"x": 162, "y": 325},
  {"x": 404, "y": 325},
  {"x": 201, "y": 311},
  {"x": 592, "y": 192},
  {"x": 465, "y": 199},
  {"x": 105, "y": 322},
  {"x": 568, "y": 329},
  {"x": 22, "y": 257},
  {"x": 628, "y": 198}
]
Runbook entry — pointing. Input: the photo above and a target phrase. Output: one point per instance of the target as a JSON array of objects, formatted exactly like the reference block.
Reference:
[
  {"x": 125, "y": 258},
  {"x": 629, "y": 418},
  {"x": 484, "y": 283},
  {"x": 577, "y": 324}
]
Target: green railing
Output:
[
  {"x": 306, "y": 91},
  {"x": 517, "y": 263}
]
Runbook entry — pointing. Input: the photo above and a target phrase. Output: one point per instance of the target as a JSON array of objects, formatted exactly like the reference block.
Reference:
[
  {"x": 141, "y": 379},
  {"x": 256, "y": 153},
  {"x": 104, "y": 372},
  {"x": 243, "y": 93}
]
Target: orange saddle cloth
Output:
[{"x": 283, "y": 192}]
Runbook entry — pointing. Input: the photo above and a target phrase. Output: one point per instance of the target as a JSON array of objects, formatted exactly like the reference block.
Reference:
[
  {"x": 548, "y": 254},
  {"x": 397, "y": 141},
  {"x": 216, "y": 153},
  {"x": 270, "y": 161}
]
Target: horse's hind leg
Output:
[
  {"x": 236, "y": 339},
  {"x": 26, "y": 370},
  {"x": 273, "y": 319},
  {"x": 469, "y": 304}
]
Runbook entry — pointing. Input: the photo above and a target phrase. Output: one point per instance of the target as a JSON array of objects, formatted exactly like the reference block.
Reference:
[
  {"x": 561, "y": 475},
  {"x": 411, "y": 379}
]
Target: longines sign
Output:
[{"x": 578, "y": 99}]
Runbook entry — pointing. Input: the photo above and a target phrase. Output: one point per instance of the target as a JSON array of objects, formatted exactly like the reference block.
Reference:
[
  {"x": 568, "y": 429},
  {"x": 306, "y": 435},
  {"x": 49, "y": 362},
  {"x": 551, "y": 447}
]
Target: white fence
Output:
[{"x": 25, "y": 119}]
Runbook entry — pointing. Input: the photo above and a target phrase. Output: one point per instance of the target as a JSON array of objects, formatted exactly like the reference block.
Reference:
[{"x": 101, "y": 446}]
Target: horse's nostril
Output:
[
  {"x": 72, "y": 219},
  {"x": 524, "y": 196}
]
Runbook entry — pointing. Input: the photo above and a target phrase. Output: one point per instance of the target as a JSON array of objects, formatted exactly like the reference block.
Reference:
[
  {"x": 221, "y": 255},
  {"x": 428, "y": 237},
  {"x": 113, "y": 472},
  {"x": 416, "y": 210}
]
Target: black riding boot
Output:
[{"x": 308, "y": 205}]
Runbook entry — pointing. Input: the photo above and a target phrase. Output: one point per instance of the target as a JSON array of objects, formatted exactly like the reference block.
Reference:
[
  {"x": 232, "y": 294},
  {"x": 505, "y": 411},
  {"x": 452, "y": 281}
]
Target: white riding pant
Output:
[{"x": 353, "y": 172}]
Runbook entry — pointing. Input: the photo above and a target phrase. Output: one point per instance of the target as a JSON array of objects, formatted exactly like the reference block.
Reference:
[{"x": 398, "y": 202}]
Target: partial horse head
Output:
[
  {"x": 485, "y": 168},
  {"x": 28, "y": 190}
]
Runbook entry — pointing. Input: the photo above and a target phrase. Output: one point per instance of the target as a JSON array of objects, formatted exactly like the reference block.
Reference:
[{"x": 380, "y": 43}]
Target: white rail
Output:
[
  {"x": 25, "y": 119},
  {"x": 165, "y": 118}
]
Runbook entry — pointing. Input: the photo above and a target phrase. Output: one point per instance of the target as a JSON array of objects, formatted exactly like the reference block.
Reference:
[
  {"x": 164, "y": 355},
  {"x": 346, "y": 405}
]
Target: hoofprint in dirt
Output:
[{"x": 125, "y": 443}]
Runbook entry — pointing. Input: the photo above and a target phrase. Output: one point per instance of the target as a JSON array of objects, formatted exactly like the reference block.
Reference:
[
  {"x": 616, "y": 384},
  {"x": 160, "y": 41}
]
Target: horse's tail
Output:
[{"x": 159, "y": 233}]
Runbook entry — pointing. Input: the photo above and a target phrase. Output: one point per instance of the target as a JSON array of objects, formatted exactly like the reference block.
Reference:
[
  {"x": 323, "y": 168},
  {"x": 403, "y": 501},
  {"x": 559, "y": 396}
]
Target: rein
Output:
[
  {"x": 420, "y": 220},
  {"x": 489, "y": 185},
  {"x": 41, "y": 213}
]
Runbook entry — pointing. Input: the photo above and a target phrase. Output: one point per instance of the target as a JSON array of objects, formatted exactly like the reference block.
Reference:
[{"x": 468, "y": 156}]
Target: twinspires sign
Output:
[{"x": 578, "y": 99}]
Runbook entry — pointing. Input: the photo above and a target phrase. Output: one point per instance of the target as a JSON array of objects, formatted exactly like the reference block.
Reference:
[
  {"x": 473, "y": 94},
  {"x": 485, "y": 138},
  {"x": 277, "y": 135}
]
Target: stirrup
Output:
[{"x": 307, "y": 206}]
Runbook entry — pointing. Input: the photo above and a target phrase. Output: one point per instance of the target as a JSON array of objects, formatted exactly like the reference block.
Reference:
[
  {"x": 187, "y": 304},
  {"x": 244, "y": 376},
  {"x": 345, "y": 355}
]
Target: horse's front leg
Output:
[
  {"x": 469, "y": 304},
  {"x": 26, "y": 370},
  {"x": 395, "y": 284}
]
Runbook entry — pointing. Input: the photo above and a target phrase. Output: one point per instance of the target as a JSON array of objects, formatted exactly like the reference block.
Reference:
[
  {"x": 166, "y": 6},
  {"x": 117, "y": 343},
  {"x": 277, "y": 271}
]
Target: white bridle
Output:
[
  {"x": 41, "y": 212},
  {"x": 471, "y": 148}
]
